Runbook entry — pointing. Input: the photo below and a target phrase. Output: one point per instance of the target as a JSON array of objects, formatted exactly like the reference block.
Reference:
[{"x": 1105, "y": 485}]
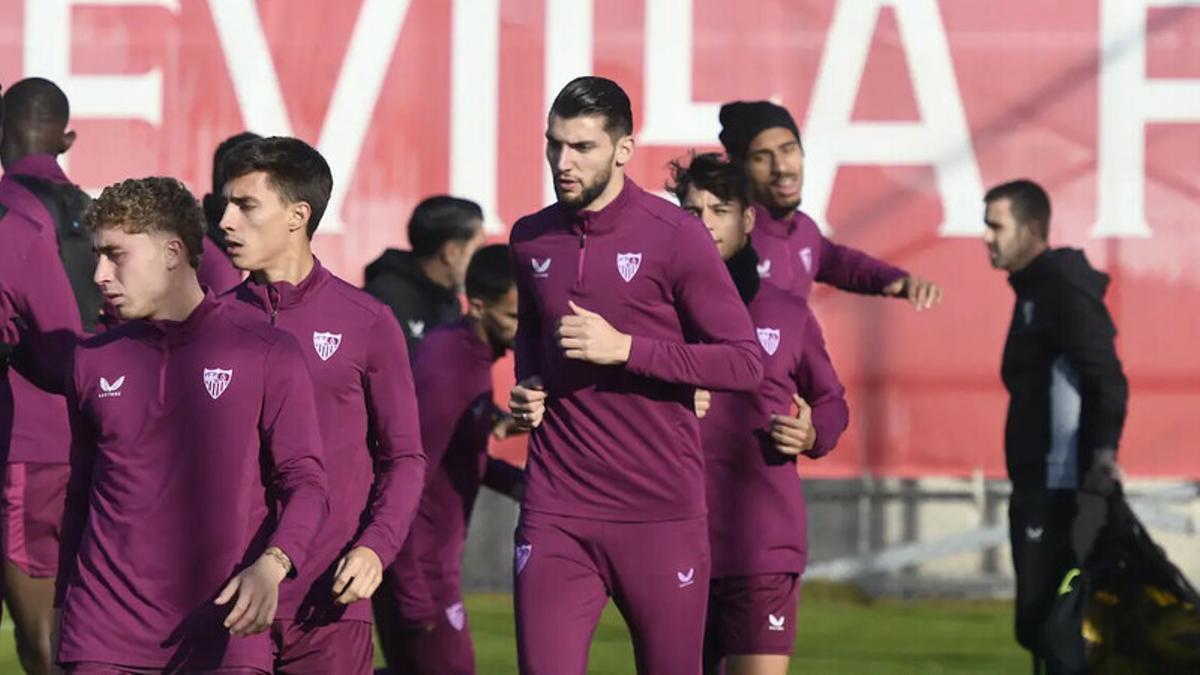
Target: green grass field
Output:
[{"x": 840, "y": 633}]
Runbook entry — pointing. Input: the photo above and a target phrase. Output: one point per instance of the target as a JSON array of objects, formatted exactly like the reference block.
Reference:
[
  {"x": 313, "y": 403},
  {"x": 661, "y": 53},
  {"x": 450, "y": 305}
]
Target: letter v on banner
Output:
[
  {"x": 256, "y": 85},
  {"x": 940, "y": 139}
]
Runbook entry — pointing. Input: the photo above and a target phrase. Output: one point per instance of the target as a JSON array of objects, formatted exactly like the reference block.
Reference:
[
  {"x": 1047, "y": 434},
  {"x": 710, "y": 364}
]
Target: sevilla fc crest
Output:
[
  {"x": 326, "y": 344},
  {"x": 216, "y": 381},
  {"x": 628, "y": 264},
  {"x": 456, "y": 615},
  {"x": 806, "y": 258},
  {"x": 769, "y": 339},
  {"x": 521, "y": 556}
]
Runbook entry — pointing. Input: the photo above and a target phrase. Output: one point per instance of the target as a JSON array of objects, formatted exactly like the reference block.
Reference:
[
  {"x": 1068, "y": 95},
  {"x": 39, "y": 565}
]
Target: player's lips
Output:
[{"x": 786, "y": 186}]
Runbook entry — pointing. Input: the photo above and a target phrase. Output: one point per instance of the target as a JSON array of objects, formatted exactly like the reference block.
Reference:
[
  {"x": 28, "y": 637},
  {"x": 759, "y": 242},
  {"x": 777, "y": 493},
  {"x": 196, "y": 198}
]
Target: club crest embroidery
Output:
[
  {"x": 457, "y": 616},
  {"x": 521, "y": 556},
  {"x": 806, "y": 258},
  {"x": 326, "y": 344},
  {"x": 216, "y": 381},
  {"x": 769, "y": 339},
  {"x": 628, "y": 264}
]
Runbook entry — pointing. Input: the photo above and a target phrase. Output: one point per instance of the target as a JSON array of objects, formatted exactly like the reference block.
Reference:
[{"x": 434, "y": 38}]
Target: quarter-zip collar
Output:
[
  {"x": 776, "y": 227},
  {"x": 606, "y": 219},
  {"x": 181, "y": 332},
  {"x": 281, "y": 295}
]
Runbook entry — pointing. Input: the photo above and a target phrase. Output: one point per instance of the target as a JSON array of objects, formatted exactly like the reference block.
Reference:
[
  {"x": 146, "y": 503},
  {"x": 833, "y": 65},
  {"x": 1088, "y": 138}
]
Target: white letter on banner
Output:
[
  {"x": 568, "y": 55},
  {"x": 1128, "y": 101},
  {"x": 941, "y": 138},
  {"x": 256, "y": 85}
]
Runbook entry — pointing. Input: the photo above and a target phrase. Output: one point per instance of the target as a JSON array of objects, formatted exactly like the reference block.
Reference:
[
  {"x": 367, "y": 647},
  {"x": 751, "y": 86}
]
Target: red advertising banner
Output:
[{"x": 910, "y": 109}]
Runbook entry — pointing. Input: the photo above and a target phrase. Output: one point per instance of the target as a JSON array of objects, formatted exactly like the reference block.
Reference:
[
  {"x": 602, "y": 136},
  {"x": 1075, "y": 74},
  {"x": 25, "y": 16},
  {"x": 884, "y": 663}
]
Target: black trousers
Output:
[{"x": 1040, "y": 523}]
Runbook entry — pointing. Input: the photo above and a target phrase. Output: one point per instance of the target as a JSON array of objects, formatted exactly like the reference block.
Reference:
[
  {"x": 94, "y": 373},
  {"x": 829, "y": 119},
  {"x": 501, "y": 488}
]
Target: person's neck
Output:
[
  {"x": 437, "y": 271},
  {"x": 611, "y": 192},
  {"x": 477, "y": 329},
  {"x": 1032, "y": 254},
  {"x": 292, "y": 267},
  {"x": 181, "y": 300}
]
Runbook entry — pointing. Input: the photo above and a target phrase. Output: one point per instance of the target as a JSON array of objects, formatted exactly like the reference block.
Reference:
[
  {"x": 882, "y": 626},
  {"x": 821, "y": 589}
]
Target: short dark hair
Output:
[
  {"x": 441, "y": 219},
  {"x": 222, "y": 151},
  {"x": 713, "y": 173},
  {"x": 1030, "y": 204},
  {"x": 36, "y": 102},
  {"x": 294, "y": 168},
  {"x": 489, "y": 276},
  {"x": 147, "y": 205},
  {"x": 591, "y": 95}
]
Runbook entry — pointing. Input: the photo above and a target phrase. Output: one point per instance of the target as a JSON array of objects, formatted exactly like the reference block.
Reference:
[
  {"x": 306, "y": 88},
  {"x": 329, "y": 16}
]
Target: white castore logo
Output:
[
  {"x": 109, "y": 389},
  {"x": 628, "y": 264},
  {"x": 764, "y": 269},
  {"x": 775, "y": 621},
  {"x": 769, "y": 339},
  {"x": 541, "y": 269},
  {"x": 686, "y": 578},
  {"x": 457, "y": 616},
  {"x": 326, "y": 344},
  {"x": 1034, "y": 533},
  {"x": 416, "y": 328},
  {"x": 216, "y": 381},
  {"x": 806, "y": 258}
]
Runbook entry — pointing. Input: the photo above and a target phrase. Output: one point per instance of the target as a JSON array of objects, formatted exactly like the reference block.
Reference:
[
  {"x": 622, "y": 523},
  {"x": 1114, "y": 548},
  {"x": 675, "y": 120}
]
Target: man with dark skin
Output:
[{"x": 35, "y": 133}]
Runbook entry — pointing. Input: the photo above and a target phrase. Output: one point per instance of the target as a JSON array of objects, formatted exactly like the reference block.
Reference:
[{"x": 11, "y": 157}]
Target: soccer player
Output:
[
  {"x": 1067, "y": 404},
  {"x": 189, "y": 421},
  {"x": 625, "y": 309},
  {"x": 756, "y": 515},
  {"x": 36, "y": 433},
  {"x": 422, "y": 285},
  {"x": 278, "y": 189},
  {"x": 791, "y": 249},
  {"x": 423, "y": 626},
  {"x": 216, "y": 269}
]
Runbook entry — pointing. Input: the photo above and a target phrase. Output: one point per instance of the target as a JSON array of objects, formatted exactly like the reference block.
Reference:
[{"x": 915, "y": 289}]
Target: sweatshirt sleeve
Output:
[
  {"x": 75, "y": 511},
  {"x": 852, "y": 270},
  {"x": 1087, "y": 337},
  {"x": 818, "y": 384},
  {"x": 526, "y": 345},
  {"x": 726, "y": 356},
  {"x": 400, "y": 462},
  {"x": 293, "y": 445}
]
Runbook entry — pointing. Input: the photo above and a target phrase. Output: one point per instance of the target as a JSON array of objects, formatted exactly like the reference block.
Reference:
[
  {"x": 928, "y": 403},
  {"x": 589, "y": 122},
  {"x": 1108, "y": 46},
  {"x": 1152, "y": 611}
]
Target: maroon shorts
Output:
[
  {"x": 567, "y": 568},
  {"x": 32, "y": 508},
  {"x": 751, "y": 615},
  {"x": 319, "y": 649},
  {"x": 92, "y": 668},
  {"x": 445, "y": 649}
]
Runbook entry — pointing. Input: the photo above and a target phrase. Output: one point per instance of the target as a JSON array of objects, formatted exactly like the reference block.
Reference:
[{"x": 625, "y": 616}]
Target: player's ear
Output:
[
  {"x": 67, "y": 141},
  {"x": 624, "y": 151},
  {"x": 298, "y": 216},
  {"x": 176, "y": 253},
  {"x": 748, "y": 219},
  {"x": 475, "y": 308}
]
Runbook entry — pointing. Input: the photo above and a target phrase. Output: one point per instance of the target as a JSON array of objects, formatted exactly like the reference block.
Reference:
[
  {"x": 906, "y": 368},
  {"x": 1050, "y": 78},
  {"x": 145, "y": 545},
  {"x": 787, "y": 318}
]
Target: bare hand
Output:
[
  {"x": 358, "y": 574},
  {"x": 528, "y": 403},
  {"x": 703, "y": 401},
  {"x": 257, "y": 591},
  {"x": 586, "y": 336},
  {"x": 794, "y": 435},
  {"x": 921, "y": 293}
]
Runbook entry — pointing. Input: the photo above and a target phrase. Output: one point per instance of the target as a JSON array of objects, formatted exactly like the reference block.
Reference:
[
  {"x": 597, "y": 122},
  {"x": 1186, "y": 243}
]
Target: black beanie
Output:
[{"x": 741, "y": 121}]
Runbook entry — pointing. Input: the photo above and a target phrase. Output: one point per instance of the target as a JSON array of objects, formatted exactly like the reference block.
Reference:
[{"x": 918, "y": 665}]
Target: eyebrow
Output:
[{"x": 243, "y": 200}]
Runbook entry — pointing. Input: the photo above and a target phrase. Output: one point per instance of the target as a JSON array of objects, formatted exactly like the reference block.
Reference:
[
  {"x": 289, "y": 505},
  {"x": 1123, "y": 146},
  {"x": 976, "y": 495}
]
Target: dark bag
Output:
[
  {"x": 1128, "y": 611},
  {"x": 66, "y": 204}
]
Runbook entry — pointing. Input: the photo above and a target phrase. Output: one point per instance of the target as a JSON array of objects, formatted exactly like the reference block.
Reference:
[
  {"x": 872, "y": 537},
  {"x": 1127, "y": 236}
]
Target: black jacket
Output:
[
  {"x": 1068, "y": 393},
  {"x": 419, "y": 303}
]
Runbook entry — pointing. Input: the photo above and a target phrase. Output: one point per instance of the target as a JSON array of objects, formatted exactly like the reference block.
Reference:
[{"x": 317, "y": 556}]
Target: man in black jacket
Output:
[
  {"x": 1067, "y": 399},
  {"x": 422, "y": 285}
]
